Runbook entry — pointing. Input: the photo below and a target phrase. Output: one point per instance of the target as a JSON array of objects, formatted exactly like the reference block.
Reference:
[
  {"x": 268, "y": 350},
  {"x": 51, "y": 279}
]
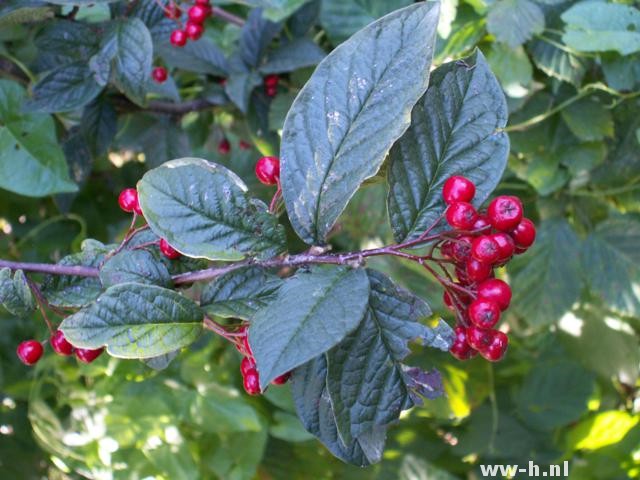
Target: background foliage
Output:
[{"x": 80, "y": 119}]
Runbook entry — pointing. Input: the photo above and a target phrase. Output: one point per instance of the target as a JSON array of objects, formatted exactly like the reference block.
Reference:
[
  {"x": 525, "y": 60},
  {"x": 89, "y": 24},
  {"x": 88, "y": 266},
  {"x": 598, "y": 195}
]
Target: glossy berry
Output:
[
  {"x": 198, "y": 13},
  {"x": 247, "y": 363},
  {"x": 506, "y": 247},
  {"x": 29, "y": 352},
  {"x": 520, "y": 250},
  {"x": 88, "y": 356},
  {"x": 271, "y": 81},
  {"x": 461, "y": 248},
  {"x": 485, "y": 249},
  {"x": 159, "y": 74},
  {"x": 251, "y": 382},
  {"x": 505, "y": 212},
  {"x": 478, "y": 338},
  {"x": 484, "y": 313},
  {"x": 282, "y": 379},
  {"x": 524, "y": 234},
  {"x": 168, "y": 251},
  {"x": 60, "y": 344},
  {"x": 204, "y": 3},
  {"x": 224, "y": 147},
  {"x": 268, "y": 170},
  {"x": 128, "y": 200},
  {"x": 172, "y": 11},
  {"x": 244, "y": 145},
  {"x": 193, "y": 30},
  {"x": 460, "y": 348},
  {"x": 178, "y": 38},
  {"x": 496, "y": 291},
  {"x": 458, "y": 189},
  {"x": 496, "y": 348},
  {"x": 477, "y": 271},
  {"x": 481, "y": 223},
  {"x": 461, "y": 215}
]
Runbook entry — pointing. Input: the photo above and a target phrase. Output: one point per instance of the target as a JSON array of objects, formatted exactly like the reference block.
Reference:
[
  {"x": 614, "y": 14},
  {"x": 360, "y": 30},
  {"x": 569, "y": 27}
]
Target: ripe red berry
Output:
[
  {"x": 484, "y": 313},
  {"x": 178, "y": 38},
  {"x": 271, "y": 91},
  {"x": 477, "y": 271},
  {"x": 159, "y": 74},
  {"x": 282, "y": 379},
  {"x": 460, "y": 348},
  {"x": 198, "y": 13},
  {"x": 88, "y": 356},
  {"x": 505, "y": 245},
  {"x": 482, "y": 223},
  {"x": 271, "y": 81},
  {"x": 168, "y": 251},
  {"x": 478, "y": 338},
  {"x": 524, "y": 234},
  {"x": 496, "y": 291},
  {"x": 172, "y": 11},
  {"x": 461, "y": 215},
  {"x": 520, "y": 250},
  {"x": 204, "y": 3},
  {"x": 497, "y": 346},
  {"x": 60, "y": 344},
  {"x": 268, "y": 170},
  {"x": 247, "y": 363},
  {"x": 485, "y": 249},
  {"x": 458, "y": 189},
  {"x": 461, "y": 248},
  {"x": 505, "y": 212},
  {"x": 193, "y": 30},
  {"x": 244, "y": 145},
  {"x": 224, "y": 147},
  {"x": 29, "y": 352},
  {"x": 128, "y": 200},
  {"x": 251, "y": 382}
]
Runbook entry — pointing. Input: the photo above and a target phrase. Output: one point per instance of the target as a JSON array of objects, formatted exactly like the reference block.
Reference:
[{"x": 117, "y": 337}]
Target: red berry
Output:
[
  {"x": 484, "y": 313},
  {"x": 168, "y": 251},
  {"x": 268, "y": 170},
  {"x": 178, "y": 38},
  {"x": 448, "y": 301},
  {"x": 60, "y": 344},
  {"x": 159, "y": 74},
  {"x": 461, "y": 215},
  {"x": 506, "y": 246},
  {"x": 524, "y": 234},
  {"x": 204, "y": 3},
  {"x": 88, "y": 356},
  {"x": 485, "y": 249},
  {"x": 505, "y": 212},
  {"x": 224, "y": 147},
  {"x": 481, "y": 223},
  {"x": 172, "y": 11},
  {"x": 247, "y": 363},
  {"x": 478, "y": 338},
  {"x": 244, "y": 145},
  {"x": 497, "y": 346},
  {"x": 251, "y": 382},
  {"x": 460, "y": 348},
  {"x": 198, "y": 13},
  {"x": 477, "y": 271},
  {"x": 497, "y": 291},
  {"x": 282, "y": 379},
  {"x": 461, "y": 249},
  {"x": 128, "y": 200},
  {"x": 271, "y": 81},
  {"x": 521, "y": 250},
  {"x": 193, "y": 30},
  {"x": 458, "y": 189},
  {"x": 29, "y": 352},
  {"x": 271, "y": 91}
]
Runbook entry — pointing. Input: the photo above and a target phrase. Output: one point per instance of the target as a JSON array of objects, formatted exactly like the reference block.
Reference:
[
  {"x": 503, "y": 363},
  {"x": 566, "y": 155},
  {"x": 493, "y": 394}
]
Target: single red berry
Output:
[
  {"x": 460, "y": 348},
  {"x": 247, "y": 363},
  {"x": 60, "y": 344},
  {"x": 244, "y": 145},
  {"x": 461, "y": 249},
  {"x": 458, "y": 189},
  {"x": 268, "y": 170},
  {"x": 497, "y": 346},
  {"x": 29, "y": 352},
  {"x": 521, "y": 250},
  {"x": 251, "y": 382},
  {"x": 496, "y": 291},
  {"x": 172, "y": 11},
  {"x": 448, "y": 301},
  {"x": 506, "y": 246},
  {"x": 271, "y": 80},
  {"x": 88, "y": 356},
  {"x": 224, "y": 147},
  {"x": 204, "y": 3},
  {"x": 198, "y": 13},
  {"x": 481, "y": 223},
  {"x": 178, "y": 38},
  {"x": 193, "y": 30},
  {"x": 524, "y": 234},
  {"x": 282, "y": 379},
  {"x": 128, "y": 200},
  {"x": 485, "y": 249},
  {"x": 484, "y": 313},
  {"x": 461, "y": 215},
  {"x": 478, "y": 338},
  {"x": 477, "y": 271},
  {"x": 159, "y": 74},
  {"x": 168, "y": 251},
  {"x": 505, "y": 212},
  {"x": 271, "y": 91}
]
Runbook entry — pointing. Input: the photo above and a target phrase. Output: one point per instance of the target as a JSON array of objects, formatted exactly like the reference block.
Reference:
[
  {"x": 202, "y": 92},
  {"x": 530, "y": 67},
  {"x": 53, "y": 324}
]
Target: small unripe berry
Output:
[
  {"x": 505, "y": 212},
  {"x": 524, "y": 234},
  {"x": 88, "y": 356},
  {"x": 193, "y": 30},
  {"x": 477, "y": 271},
  {"x": 496, "y": 291},
  {"x": 251, "y": 382},
  {"x": 60, "y": 344},
  {"x": 168, "y": 251},
  {"x": 461, "y": 215},
  {"x": 485, "y": 249},
  {"x": 268, "y": 170},
  {"x": 178, "y": 38},
  {"x": 29, "y": 352},
  {"x": 128, "y": 200},
  {"x": 224, "y": 147},
  {"x": 484, "y": 313},
  {"x": 458, "y": 189}
]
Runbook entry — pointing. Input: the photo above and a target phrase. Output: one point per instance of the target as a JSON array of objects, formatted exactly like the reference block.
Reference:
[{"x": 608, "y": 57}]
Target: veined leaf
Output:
[
  {"x": 515, "y": 21},
  {"x": 15, "y": 294},
  {"x": 135, "y": 266}
]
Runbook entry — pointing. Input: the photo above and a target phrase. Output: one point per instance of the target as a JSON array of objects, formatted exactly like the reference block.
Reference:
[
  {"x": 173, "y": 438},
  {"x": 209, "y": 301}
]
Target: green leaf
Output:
[
  {"x": 202, "y": 56},
  {"x": 135, "y": 321},
  {"x": 621, "y": 73},
  {"x": 557, "y": 62},
  {"x": 99, "y": 125},
  {"x": 313, "y": 311},
  {"x": 31, "y": 161},
  {"x": 80, "y": 2},
  {"x": 545, "y": 174},
  {"x": 512, "y": 67},
  {"x": 299, "y": 53},
  {"x": 515, "y": 21},
  {"x": 202, "y": 210},
  {"x": 582, "y": 157},
  {"x": 66, "y": 88},
  {"x": 332, "y": 142},
  {"x": 135, "y": 266},
  {"x": 218, "y": 409},
  {"x": 162, "y": 139},
  {"x": 161, "y": 361},
  {"x": 240, "y": 293},
  {"x": 276, "y": 10},
  {"x": 588, "y": 119},
  {"x": 15, "y": 294},
  {"x": 239, "y": 87},
  {"x": 546, "y": 280},
  {"x": 257, "y": 34},
  {"x": 13, "y": 12},
  {"x": 70, "y": 39},
  {"x": 288, "y": 427},
  {"x": 600, "y": 430},
  {"x": 554, "y": 394},
  {"x": 455, "y": 130},
  {"x": 601, "y": 27}
]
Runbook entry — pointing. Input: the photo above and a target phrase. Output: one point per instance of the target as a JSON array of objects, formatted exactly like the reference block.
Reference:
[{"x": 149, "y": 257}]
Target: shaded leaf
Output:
[
  {"x": 299, "y": 53},
  {"x": 515, "y": 21},
  {"x": 588, "y": 119},
  {"x": 15, "y": 294},
  {"x": 134, "y": 266}
]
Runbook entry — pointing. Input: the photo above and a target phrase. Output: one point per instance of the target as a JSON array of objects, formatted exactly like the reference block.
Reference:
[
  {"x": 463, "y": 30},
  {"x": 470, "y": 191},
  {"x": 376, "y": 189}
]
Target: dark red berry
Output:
[
  {"x": 128, "y": 200},
  {"x": 168, "y": 251},
  {"x": 29, "y": 352},
  {"x": 193, "y": 30},
  {"x": 204, "y": 3},
  {"x": 506, "y": 246},
  {"x": 497, "y": 347},
  {"x": 247, "y": 363},
  {"x": 282, "y": 379},
  {"x": 446, "y": 298},
  {"x": 271, "y": 81},
  {"x": 484, "y": 313},
  {"x": 88, "y": 356},
  {"x": 251, "y": 382},
  {"x": 268, "y": 170},
  {"x": 481, "y": 223},
  {"x": 224, "y": 147},
  {"x": 178, "y": 38},
  {"x": 244, "y": 145},
  {"x": 271, "y": 91},
  {"x": 159, "y": 74},
  {"x": 458, "y": 189},
  {"x": 505, "y": 212},
  {"x": 524, "y": 234},
  {"x": 60, "y": 344},
  {"x": 477, "y": 271},
  {"x": 461, "y": 249},
  {"x": 461, "y": 215},
  {"x": 460, "y": 348},
  {"x": 521, "y": 250},
  {"x": 198, "y": 13},
  {"x": 496, "y": 291},
  {"x": 485, "y": 249},
  {"x": 172, "y": 11},
  {"x": 479, "y": 338}
]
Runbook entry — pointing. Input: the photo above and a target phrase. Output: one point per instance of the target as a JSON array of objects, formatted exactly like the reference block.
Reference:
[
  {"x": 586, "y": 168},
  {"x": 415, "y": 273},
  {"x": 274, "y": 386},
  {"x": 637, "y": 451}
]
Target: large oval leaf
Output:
[
  {"x": 135, "y": 321},
  {"x": 346, "y": 118},
  {"x": 201, "y": 209},
  {"x": 455, "y": 130}
]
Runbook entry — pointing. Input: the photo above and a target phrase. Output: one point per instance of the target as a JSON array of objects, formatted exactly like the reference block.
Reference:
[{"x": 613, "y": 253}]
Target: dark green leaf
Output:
[
  {"x": 153, "y": 16},
  {"x": 23, "y": 11},
  {"x": 299, "y": 53},
  {"x": 455, "y": 130},
  {"x": 557, "y": 62},
  {"x": 588, "y": 119},
  {"x": 75, "y": 40},
  {"x": 135, "y": 321},
  {"x": 163, "y": 139},
  {"x": 512, "y": 68},
  {"x": 99, "y": 125},
  {"x": 257, "y": 34},
  {"x": 202, "y": 210},
  {"x": 239, "y": 87},
  {"x": 312, "y": 312},
  {"x": 515, "y": 21},
  {"x": 346, "y": 118},
  {"x": 202, "y": 56},
  {"x": 135, "y": 266},
  {"x": 15, "y": 294}
]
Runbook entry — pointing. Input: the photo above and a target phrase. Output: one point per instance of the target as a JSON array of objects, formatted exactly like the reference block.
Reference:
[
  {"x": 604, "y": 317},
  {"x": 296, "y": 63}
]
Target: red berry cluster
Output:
[
  {"x": 30, "y": 351},
  {"x": 250, "y": 375},
  {"x": 194, "y": 28},
  {"x": 268, "y": 170},
  {"x": 270, "y": 83},
  {"x": 480, "y": 242}
]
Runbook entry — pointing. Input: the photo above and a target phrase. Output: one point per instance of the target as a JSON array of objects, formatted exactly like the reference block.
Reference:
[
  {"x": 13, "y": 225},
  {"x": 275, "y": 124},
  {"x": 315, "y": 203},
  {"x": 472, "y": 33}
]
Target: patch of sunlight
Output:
[{"x": 571, "y": 324}]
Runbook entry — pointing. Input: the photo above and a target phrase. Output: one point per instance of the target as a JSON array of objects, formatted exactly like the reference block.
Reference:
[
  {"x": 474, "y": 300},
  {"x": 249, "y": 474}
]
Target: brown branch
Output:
[
  {"x": 229, "y": 17},
  {"x": 52, "y": 268},
  {"x": 158, "y": 106}
]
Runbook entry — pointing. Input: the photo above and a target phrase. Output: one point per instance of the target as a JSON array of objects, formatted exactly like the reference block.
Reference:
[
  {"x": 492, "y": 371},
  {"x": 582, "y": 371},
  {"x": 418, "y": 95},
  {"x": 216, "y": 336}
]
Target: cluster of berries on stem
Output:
[
  {"x": 194, "y": 27},
  {"x": 30, "y": 351}
]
